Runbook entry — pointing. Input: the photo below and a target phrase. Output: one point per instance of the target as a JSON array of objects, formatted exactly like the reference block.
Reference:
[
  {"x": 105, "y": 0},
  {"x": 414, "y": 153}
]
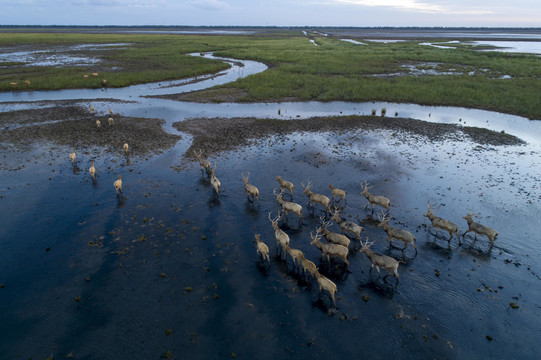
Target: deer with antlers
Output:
[
  {"x": 204, "y": 163},
  {"x": 330, "y": 236},
  {"x": 479, "y": 229},
  {"x": 440, "y": 223},
  {"x": 341, "y": 194},
  {"x": 288, "y": 206},
  {"x": 330, "y": 249},
  {"x": 378, "y": 260},
  {"x": 284, "y": 184},
  {"x": 346, "y": 225},
  {"x": 375, "y": 199},
  {"x": 214, "y": 180},
  {"x": 316, "y": 198},
  {"x": 394, "y": 233},
  {"x": 282, "y": 239},
  {"x": 250, "y": 189},
  {"x": 262, "y": 249}
]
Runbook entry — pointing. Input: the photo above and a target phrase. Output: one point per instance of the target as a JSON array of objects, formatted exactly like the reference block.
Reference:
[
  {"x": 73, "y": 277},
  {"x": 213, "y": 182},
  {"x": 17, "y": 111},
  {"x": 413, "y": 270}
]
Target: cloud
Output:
[
  {"x": 415, "y": 6},
  {"x": 211, "y": 4}
]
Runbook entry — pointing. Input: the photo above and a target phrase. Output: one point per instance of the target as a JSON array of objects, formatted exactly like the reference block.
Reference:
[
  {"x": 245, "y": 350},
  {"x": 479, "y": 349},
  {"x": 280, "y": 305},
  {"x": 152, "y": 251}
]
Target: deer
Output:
[
  {"x": 204, "y": 163},
  {"x": 394, "y": 233},
  {"x": 282, "y": 239},
  {"x": 214, "y": 180},
  {"x": 325, "y": 283},
  {"x": 330, "y": 249},
  {"x": 262, "y": 249},
  {"x": 111, "y": 121},
  {"x": 378, "y": 260},
  {"x": 296, "y": 255},
  {"x": 332, "y": 237},
  {"x": 126, "y": 148},
  {"x": 346, "y": 225},
  {"x": 341, "y": 194},
  {"x": 72, "y": 157},
  {"x": 308, "y": 266},
  {"x": 111, "y": 112},
  {"x": 316, "y": 198},
  {"x": 288, "y": 206},
  {"x": 440, "y": 223},
  {"x": 118, "y": 185},
  {"x": 98, "y": 124},
  {"x": 479, "y": 229},
  {"x": 92, "y": 171},
  {"x": 284, "y": 184},
  {"x": 250, "y": 189},
  {"x": 375, "y": 199}
]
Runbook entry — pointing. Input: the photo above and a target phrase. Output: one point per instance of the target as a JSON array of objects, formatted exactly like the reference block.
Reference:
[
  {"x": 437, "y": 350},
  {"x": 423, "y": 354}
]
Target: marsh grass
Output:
[{"x": 334, "y": 70}]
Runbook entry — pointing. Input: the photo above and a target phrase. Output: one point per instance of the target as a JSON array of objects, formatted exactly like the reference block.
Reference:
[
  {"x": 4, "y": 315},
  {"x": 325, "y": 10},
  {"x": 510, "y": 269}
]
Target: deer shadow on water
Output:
[{"x": 381, "y": 286}]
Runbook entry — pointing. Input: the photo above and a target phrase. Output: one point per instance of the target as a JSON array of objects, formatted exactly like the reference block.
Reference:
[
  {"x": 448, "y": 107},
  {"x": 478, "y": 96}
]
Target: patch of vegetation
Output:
[{"x": 298, "y": 70}]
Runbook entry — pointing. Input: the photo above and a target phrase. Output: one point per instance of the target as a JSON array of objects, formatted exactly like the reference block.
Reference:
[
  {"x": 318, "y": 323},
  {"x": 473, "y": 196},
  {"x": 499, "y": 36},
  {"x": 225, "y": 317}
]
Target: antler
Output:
[{"x": 366, "y": 243}]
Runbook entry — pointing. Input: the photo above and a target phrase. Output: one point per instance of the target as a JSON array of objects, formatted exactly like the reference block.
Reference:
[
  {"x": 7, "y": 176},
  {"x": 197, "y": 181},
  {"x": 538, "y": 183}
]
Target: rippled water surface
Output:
[{"x": 170, "y": 268}]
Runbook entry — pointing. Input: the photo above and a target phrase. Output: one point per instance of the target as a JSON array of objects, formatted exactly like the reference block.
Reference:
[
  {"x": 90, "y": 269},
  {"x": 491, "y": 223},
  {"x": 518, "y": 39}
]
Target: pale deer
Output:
[
  {"x": 284, "y": 184},
  {"x": 214, "y": 180},
  {"x": 250, "y": 189},
  {"x": 282, "y": 239},
  {"x": 330, "y": 249},
  {"x": 346, "y": 225},
  {"x": 111, "y": 121},
  {"x": 296, "y": 256},
  {"x": 73, "y": 156},
  {"x": 325, "y": 283},
  {"x": 92, "y": 171},
  {"x": 378, "y": 260},
  {"x": 288, "y": 206},
  {"x": 204, "y": 163},
  {"x": 308, "y": 267},
  {"x": 126, "y": 148},
  {"x": 479, "y": 229},
  {"x": 98, "y": 124},
  {"x": 440, "y": 223},
  {"x": 375, "y": 199},
  {"x": 118, "y": 185},
  {"x": 332, "y": 237},
  {"x": 316, "y": 198},
  {"x": 394, "y": 233},
  {"x": 262, "y": 249},
  {"x": 341, "y": 194}
]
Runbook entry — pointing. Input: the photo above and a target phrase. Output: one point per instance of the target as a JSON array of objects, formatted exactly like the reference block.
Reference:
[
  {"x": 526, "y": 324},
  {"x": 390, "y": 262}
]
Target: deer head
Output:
[{"x": 245, "y": 178}]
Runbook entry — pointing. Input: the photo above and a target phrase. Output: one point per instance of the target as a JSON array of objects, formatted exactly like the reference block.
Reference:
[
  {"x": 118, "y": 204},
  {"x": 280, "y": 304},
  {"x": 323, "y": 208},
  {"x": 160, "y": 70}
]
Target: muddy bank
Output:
[
  {"x": 217, "y": 135},
  {"x": 76, "y": 127}
]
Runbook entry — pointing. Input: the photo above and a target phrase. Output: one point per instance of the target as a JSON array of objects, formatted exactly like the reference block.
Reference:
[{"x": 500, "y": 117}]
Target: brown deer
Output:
[
  {"x": 332, "y": 237},
  {"x": 214, "y": 180},
  {"x": 73, "y": 156},
  {"x": 92, "y": 171},
  {"x": 479, "y": 229},
  {"x": 325, "y": 283},
  {"x": 341, "y": 194},
  {"x": 440, "y": 223},
  {"x": 250, "y": 189},
  {"x": 288, "y": 206},
  {"x": 282, "y": 239},
  {"x": 375, "y": 199},
  {"x": 204, "y": 163},
  {"x": 118, "y": 185},
  {"x": 308, "y": 266},
  {"x": 316, "y": 198},
  {"x": 378, "y": 260},
  {"x": 262, "y": 249},
  {"x": 330, "y": 249},
  {"x": 346, "y": 225},
  {"x": 284, "y": 184},
  {"x": 394, "y": 233}
]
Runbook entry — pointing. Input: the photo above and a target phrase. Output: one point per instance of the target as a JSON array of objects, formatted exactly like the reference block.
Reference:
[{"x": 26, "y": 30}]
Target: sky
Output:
[{"x": 359, "y": 13}]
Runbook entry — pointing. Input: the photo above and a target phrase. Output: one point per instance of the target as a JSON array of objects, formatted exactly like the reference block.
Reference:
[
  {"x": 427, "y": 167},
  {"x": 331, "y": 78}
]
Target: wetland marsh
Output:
[{"x": 169, "y": 269}]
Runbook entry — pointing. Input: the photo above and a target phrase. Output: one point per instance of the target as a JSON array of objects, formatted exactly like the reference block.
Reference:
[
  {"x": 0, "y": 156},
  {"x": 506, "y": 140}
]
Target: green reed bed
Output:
[{"x": 298, "y": 70}]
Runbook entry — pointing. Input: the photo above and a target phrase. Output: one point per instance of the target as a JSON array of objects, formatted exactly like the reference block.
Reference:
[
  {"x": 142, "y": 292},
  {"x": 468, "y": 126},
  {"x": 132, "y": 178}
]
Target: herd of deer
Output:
[{"x": 337, "y": 245}]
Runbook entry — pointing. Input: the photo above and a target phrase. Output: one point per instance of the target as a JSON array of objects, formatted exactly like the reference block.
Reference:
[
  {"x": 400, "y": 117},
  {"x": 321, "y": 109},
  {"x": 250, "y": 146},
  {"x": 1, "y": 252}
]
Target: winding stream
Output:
[{"x": 170, "y": 270}]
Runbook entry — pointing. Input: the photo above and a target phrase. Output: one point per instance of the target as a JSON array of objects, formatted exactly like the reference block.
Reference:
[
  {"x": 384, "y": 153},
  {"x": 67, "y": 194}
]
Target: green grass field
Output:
[{"x": 298, "y": 70}]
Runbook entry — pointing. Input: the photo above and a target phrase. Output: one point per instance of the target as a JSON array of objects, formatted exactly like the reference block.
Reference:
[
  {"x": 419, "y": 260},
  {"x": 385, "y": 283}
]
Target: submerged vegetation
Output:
[{"x": 298, "y": 70}]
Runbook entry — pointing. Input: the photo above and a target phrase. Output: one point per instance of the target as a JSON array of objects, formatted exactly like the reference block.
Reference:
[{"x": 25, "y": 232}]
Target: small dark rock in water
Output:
[
  {"x": 366, "y": 297},
  {"x": 2, "y": 286},
  {"x": 514, "y": 305},
  {"x": 489, "y": 338},
  {"x": 168, "y": 332}
]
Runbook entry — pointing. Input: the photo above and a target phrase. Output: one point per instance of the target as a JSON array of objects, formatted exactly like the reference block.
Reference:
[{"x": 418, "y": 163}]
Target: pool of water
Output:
[{"x": 170, "y": 269}]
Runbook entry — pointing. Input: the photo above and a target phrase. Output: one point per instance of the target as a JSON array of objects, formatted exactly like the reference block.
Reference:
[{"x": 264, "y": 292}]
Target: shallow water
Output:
[{"x": 171, "y": 266}]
